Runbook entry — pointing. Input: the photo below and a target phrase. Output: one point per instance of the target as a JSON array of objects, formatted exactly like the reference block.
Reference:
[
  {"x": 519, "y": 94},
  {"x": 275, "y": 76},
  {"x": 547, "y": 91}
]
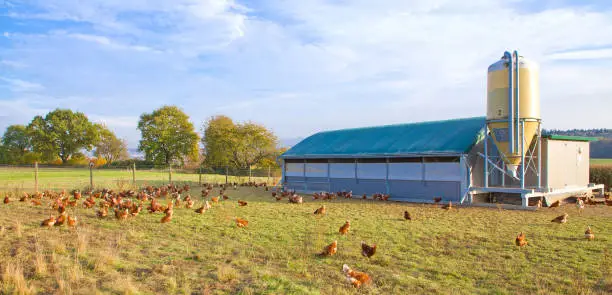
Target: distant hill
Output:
[{"x": 601, "y": 149}]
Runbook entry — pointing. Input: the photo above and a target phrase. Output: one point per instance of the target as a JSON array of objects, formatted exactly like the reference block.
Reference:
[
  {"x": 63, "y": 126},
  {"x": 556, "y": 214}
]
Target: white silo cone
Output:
[{"x": 512, "y": 170}]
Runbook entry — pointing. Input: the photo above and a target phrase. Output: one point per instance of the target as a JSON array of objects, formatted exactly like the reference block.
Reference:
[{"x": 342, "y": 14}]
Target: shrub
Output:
[{"x": 601, "y": 174}]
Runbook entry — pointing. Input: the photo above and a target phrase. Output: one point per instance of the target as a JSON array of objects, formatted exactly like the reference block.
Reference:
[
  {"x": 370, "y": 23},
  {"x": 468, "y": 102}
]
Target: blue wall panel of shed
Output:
[
  {"x": 419, "y": 190},
  {"x": 359, "y": 187}
]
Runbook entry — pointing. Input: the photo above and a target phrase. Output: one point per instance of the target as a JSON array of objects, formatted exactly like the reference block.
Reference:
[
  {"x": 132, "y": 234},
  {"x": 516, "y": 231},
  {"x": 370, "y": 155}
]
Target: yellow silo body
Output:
[{"x": 513, "y": 107}]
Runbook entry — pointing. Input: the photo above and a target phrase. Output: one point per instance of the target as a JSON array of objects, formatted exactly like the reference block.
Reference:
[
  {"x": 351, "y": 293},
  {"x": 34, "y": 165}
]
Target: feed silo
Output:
[{"x": 513, "y": 108}]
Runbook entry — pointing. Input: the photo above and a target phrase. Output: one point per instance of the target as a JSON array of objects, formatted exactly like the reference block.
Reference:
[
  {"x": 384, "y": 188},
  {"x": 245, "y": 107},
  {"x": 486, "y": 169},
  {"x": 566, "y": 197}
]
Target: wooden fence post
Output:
[
  {"x": 170, "y": 173},
  {"x": 36, "y": 176},
  {"x": 91, "y": 164},
  {"x": 226, "y": 172}
]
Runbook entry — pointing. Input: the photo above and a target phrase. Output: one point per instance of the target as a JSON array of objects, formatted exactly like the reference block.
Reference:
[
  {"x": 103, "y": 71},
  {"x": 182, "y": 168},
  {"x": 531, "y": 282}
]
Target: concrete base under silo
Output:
[{"x": 529, "y": 197}]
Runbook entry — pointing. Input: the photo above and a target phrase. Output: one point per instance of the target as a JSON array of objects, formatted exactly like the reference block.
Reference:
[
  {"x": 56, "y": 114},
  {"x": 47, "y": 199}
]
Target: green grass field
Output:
[
  {"x": 70, "y": 178},
  {"x": 461, "y": 251},
  {"x": 601, "y": 162}
]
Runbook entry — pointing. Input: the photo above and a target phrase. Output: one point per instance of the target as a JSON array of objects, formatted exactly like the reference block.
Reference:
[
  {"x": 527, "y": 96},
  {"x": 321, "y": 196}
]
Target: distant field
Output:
[
  {"x": 69, "y": 178},
  {"x": 601, "y": 161},
  {"x": 462, "y": 251}
]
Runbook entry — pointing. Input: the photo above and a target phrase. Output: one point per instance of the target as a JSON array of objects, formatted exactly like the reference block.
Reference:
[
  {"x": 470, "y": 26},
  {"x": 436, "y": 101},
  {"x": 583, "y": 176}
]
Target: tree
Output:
[
  {"x": 167, "y": 136},
  {"x": 16, "y": 143},
  {"x": 239, "y": 145},
  {"x": 4, "y": 158},
  {"x": 252, "y": 144},
  {"x": 271, "y": 160},
  {"x": 219, "y": 133},
  {"x": 61, "y": 133},
  {"x": 110, "y": 147}
]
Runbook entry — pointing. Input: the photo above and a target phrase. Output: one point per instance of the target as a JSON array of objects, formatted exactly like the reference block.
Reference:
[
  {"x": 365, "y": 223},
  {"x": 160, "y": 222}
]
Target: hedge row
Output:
[{"x": 602, "y": 174}]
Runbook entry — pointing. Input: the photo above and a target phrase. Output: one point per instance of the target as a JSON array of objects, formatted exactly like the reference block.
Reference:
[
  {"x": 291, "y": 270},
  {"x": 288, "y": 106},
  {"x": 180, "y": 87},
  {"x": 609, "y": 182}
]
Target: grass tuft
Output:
[{"x": 13, "y": 280}]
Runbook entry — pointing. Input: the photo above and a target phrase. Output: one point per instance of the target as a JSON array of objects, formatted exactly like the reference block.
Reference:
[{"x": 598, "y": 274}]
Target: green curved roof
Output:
[{"x": 456, "y": 136}]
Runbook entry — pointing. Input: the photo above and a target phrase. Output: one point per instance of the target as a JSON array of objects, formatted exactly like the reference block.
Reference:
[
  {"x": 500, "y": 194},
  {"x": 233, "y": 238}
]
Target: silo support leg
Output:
[{"x": 525, "y": 200}]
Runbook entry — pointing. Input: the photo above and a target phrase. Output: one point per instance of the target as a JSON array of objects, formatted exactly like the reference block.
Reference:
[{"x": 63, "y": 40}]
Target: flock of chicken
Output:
[
  {"x": 581, "y": 202},
  {"x": 125, "y": 207}
]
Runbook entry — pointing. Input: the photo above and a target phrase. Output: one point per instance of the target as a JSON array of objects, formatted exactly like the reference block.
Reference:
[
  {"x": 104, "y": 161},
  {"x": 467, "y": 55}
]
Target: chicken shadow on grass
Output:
[{"x": 572, "y": 239}]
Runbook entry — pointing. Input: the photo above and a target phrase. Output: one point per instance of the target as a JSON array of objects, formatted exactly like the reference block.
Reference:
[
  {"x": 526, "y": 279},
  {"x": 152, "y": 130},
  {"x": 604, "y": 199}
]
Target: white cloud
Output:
[
  {"x": 603, "y": 53},
  {"x": 18, "y": 85},
  {"x": 12, "y": 64},
  {"x": 108, "y": 42},
  {"x": 341, "y": 63}
]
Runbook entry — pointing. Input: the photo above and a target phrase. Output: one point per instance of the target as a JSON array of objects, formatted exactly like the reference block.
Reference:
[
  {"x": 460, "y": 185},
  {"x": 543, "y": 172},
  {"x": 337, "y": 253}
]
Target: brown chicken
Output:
[
  {"x": 296, "y": 199},
  {"x": 59, "y": 221},
  {"x": 200, "y": 210},
  {"x": 437, "y": 200},
  {"x": 320, "y": 211},
  {"x": 560, "y": 219},
  {"x": 36, "y": 202},
  {"x": 448, "y": 206},
  {"x": 367, "y": 250},
  {"x": 344, "y": 229},
  {"x": 356, "y": 278},
  {"x": 103, "y": 212},
  {"x": 121, "y": 214},
  {"x": 87, "y": 204},
  {"x": 555, "y": 204},
  {"x": 72, "y": 221},
  {"x": 588, "y": 234},
  {"x": 520, "y": 240},
  {"x": 167, "y": 218},
  {"x": 278, "y": 198},
  {"x": 135, "y": 209},
  {"x": 169, "y": 209},
  {"x": 242, "y": 203},
  {"x": 48, "y": 222},
  {"x": 6, "y": 200},
  {"x": 189, "y": 204},
  {"x": 241, "y": 222},
  {"x": 225, "y": 197},
  {"x": 215, "y": 199},
  {"x": 330, "y": 249}
]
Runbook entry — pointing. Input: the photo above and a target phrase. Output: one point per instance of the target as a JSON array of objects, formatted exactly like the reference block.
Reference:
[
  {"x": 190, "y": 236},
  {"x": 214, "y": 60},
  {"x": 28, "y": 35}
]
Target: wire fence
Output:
[{"x": 40, "y": 177}]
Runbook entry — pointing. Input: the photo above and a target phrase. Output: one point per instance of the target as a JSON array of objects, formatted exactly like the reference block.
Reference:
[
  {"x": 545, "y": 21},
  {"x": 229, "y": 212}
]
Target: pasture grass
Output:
[
  {"x": 602, "y": 162},
  {"x": 56, "y": 178},
  {"x": 466, "y": 250}
]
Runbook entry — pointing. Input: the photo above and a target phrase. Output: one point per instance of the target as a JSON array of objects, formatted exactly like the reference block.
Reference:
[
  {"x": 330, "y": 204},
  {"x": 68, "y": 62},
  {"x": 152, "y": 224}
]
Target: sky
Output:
[{"x": 298, "y": 66}]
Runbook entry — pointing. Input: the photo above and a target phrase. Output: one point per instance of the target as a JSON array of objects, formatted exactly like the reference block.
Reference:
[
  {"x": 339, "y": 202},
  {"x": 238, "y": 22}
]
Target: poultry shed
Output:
[{"x": 502, "y": 157}]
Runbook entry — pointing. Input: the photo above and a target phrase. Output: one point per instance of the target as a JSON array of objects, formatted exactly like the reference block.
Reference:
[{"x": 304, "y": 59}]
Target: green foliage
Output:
[
  {"x": 167, "y": 136},
  {"x": 4, "y": 155},
  {"x": 239, "y": 145},
  {"x": 219, "y": 132},
  {"x": 61, "y": 133},
  {"x": 16, "y": 144},
  {"x": 253, "y": 144},
  {"x": 602, "y": 174},
  {"x": 110, "y": 147}
]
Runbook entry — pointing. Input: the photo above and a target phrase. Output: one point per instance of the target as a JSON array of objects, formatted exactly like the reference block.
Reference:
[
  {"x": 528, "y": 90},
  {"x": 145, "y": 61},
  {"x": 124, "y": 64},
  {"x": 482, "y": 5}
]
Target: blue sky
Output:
[{"x": 298, "y": 66}]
